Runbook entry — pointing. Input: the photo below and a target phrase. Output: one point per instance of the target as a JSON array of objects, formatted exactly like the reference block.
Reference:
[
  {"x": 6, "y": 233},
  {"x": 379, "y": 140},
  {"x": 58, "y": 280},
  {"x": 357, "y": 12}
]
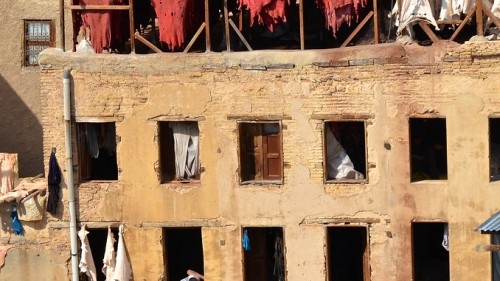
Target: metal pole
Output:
[{"x": 69, "y": 175}]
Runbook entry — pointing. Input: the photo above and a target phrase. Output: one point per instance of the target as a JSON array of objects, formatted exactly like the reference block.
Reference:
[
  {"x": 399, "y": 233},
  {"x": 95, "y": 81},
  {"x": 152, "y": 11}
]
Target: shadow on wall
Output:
[{"x": 20, "y": 131}]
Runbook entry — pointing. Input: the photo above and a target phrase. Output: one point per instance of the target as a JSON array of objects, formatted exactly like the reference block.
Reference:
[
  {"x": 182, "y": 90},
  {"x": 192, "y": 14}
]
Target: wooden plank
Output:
[
  {"x": 376, "y": 28},
  {"x": 62, "y": 32},
  {"x": 399, "y": 9},
  {"x": 226, "y": 26},
  {"x": 240, "y": 21},
  {"x": 131, "y": 26},
  {"x": 208, "y": 45},
  {"x": 449, "y": 21},
  {"x": 196, "y": 35},
  {"x": 332, "y": 220},
  {"x": 366, "y": 252},
  {"x": 428, "y": 31},
  {"x": 462, "y": 25},
  {"x": 479, "y": 18},
  {"x": 488, "y": 248},
  {"x": 97, "y": 7},
  {"x": 301, "y": 21},
  {"x": 358, "y": 28},
  {"x": 242, "y": 38},
  {"x": 147, "y": 43},
  {"x": 494, "y": 19}
]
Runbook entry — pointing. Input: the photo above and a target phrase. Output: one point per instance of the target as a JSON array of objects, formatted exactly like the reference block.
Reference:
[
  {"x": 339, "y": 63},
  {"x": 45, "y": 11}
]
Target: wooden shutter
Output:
[{"x": 272, "y": 157}]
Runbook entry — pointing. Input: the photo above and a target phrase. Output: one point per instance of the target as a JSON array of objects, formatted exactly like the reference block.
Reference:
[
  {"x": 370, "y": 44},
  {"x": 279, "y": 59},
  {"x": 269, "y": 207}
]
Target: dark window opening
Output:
[
  {"x": 263, "y": 254},
  {"x": 183, "y": 251},
  {"x": 428, "y": 149},
  {"x": 431, "y": 260},
  {"x": 348, "y": 253},
  {"x": 38, "y": 35},
  {"x": 495, "y": 257},
  {"x": 260, "y": 152},
  {"x": 179, "y": 151},
  {"x": 97, "y": 151},
  {"x": 97, "y": 240},
  {"x": 494, "y": 128},
  {"x": 345, "y": 150}
]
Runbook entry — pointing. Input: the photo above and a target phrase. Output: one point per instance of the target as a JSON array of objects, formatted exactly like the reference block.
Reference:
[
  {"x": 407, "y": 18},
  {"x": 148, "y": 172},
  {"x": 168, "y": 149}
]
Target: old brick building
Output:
[{"x": 259, "y": 197}]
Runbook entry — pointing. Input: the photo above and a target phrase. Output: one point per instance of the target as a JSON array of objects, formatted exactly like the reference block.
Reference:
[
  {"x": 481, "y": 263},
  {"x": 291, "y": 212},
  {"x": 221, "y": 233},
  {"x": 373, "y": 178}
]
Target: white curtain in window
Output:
[
  {"x": 340, "y": 165},
  {"x": 186, "y": 149},
  {"x": 92, "y": 141}
]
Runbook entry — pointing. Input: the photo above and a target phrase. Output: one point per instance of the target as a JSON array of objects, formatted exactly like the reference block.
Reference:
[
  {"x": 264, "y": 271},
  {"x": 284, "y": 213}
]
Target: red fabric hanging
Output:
[
  {"x": 175, "y": 19},
  {"x": 267, "y": 12},
  {"x": 340, "y": 11},
  {"x": 108, "y": 29}
]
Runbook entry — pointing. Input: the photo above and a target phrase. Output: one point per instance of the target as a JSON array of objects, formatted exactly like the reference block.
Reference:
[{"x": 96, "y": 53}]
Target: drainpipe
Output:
[{"x": 69, "y": 175}]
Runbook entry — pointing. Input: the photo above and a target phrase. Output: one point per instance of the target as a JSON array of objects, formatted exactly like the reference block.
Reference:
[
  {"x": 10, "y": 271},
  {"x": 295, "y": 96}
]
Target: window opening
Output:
[
  {"x": 428, "y": 149},
  {"x": 97, "y": 151},
  {"x": 260, "y": 152},
  {"x": 183, "y": 251},
  {"x": 431, "y": 259},
  {"x": 494, "y": 129},
  {"x": 495, "y": 257},
  {"x": 38, "y": 35},
  {"x": 97, "y": 240},
  {"x": 179, "y": 151},
  {"x": 263, "y": 254},
  {"x": 348, "y": 253},
  {"x": 345, "y": 150}
]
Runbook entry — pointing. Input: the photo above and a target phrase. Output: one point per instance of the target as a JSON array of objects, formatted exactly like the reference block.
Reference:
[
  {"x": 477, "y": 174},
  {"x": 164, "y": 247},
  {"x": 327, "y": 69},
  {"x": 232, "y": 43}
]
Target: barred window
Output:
[{"x": 38, "y": 35}]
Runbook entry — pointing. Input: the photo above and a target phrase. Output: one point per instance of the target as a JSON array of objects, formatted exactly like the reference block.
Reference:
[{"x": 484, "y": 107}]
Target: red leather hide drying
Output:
[
  {"x": 108, "y": 29},
  {"x": 267, "y": 12},
  {"x": 175, "y": 18},
  {"x": 340, "y": 11}
]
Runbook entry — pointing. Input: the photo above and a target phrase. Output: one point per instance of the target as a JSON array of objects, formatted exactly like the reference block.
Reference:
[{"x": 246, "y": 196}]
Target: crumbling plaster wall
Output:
[{"x": 383, "y": 84}]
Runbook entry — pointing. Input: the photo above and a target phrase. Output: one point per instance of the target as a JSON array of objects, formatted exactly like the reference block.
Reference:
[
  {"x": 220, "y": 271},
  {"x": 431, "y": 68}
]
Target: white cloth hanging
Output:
[
  {"x": 452, "y": 9},
  {"x": 411, "y": 12},
  {"x": 109, "y": 260},
  {"x": 186, "y": 149},
  {"x": 446, "y": 235},
  {"x": 123, "y": 271},
  {"x": 87, "y": 264},
  {"x": 92, "y": 141},
  {"x": 339, "y": 164}
]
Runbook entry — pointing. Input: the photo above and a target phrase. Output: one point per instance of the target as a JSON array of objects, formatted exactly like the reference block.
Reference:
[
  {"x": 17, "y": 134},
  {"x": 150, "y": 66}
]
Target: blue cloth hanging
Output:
[
  {"x": 245, "y": 241},
  {"x": 16, "y": 224}
]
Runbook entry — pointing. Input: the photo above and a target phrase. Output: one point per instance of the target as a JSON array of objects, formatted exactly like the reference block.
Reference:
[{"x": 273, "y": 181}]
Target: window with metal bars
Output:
[{"x": 38, "y": 35}]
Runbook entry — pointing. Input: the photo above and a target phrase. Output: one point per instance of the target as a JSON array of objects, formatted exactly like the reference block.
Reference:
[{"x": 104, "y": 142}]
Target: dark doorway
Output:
[
  {"x": 495, "y": 257},
  {"x": 431, "y": 260},
  {"x": 263, "y": 250},
  {"x": 494, "y": 130},
  {"x": 348, "y": 255},
  {"x": 183, "y": 250},
  {"x": 428, "y": 149},
  {"x": 97, "y": 240}
]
